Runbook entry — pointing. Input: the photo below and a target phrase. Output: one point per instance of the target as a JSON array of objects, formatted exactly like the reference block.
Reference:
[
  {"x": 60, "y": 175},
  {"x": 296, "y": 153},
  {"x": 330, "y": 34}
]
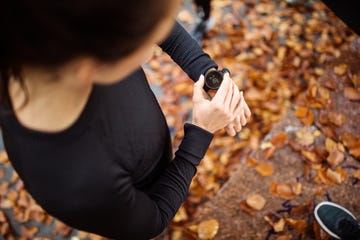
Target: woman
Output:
[{"x": 80, "y": 123}]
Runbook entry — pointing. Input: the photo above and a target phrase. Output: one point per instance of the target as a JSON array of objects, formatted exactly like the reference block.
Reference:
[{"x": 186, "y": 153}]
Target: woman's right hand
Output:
[{"x": 221, "y": 110}]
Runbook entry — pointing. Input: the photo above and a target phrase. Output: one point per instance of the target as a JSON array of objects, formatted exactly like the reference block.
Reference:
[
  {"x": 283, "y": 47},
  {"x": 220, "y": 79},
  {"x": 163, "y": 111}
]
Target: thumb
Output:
[{"x": 198, "y": 89}]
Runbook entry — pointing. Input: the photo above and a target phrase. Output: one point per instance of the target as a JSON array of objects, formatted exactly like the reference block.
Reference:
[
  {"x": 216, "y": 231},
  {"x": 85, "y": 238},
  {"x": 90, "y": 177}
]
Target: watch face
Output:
[{"x": 213, "y": 80}]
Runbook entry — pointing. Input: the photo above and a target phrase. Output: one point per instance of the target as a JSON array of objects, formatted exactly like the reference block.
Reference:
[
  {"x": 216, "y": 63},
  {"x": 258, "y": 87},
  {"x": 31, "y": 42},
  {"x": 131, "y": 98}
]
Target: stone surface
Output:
[{"x": 290, "y": 167}]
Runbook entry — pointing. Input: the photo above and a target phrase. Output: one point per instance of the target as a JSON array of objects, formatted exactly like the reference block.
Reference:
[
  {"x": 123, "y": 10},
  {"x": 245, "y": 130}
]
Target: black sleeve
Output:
[
  {"x": 147, "y": 214},
  {"x": 187, "y": 53}
]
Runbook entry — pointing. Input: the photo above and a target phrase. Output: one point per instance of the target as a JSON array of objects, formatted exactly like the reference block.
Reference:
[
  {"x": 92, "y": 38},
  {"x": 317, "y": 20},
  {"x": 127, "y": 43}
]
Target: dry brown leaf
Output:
[
  {"x": 180, "y": 215},
  {"x": 279, "y": 140},
  {"x": 297, "y": 188},
  {"x": 268, "y": 152},
  {"x": 3, "y": 157},
  {"x": 29, "y": 232},
  {"x": 265, "y": 169},
  {"x": 298, "y": 225},
  {"x": 301, "y": 112},
  {"x": 304, "y": 137},
  {"x": 271, "y": 218},
  {"x": 282, "y": 190},
  {"x": 334, "y": 176},
  {"x": 208, "y": 229},
  {"x": 256, "y": 201},
  {"x": 335, "y": 158},
  {"x": 330, "y": 145},
  {"x": 356, "y": 80},
  {"x": 340, "y": 69},
  {"x": 349, "y": 140},
  {"x": 246, "y": 208},
  {"x": 357, "y": 174},
  {"x": 336, "y": 118},
  {"x": 279, "y": 225},
  {"x": 308, "y": 120},
  {"x": 351, "y": 94},
  {"x": 252, "y": 162},
  {"x": 355, "y": 151},
  {"x": 311, "y": 156}
]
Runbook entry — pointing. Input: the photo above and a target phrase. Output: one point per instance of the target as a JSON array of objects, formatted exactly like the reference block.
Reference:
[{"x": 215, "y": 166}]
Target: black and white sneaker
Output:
[{"x": 337, "y": 221}]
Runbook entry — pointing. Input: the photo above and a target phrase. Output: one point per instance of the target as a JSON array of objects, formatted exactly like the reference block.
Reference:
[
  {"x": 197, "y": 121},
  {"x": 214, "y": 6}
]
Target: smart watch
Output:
[{"x": 214, "y": 78}]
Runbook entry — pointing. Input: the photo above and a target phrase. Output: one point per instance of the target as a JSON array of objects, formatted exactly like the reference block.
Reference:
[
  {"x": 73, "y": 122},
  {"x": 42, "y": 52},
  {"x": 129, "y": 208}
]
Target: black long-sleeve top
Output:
[{"x": 112, "y": 172}]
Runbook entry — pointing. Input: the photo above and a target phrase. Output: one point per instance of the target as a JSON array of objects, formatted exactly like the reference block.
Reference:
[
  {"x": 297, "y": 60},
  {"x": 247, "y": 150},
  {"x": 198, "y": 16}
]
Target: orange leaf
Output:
[
  {"x": 304, "y": 137},
  {"x": 268, "y": 152},
  {"x": 349, "y": 140},
  {"x": 208, "y": 229},
  {"x": 283, "y": 190},
  {"x": 340, "y": 69},
  {"x": 299, "y": 225},
  {"x": 264, "y": 169},
  {"x": 336, "y": 118},
  {"x": 357, "y": 174},
  {"x": 351, "y": 94},
  {"x": 355, "y": 151},
  {"x": 256, "y": 201},
  {"x": 308, "y": 120},
  {"x": 334, "y": 176},
  {"x": 335, "y": 158},
  {"x": 301, "y": 112},
  {"x": 311, "y": 156},
  {"x": 246, "y": 208},
  {"x": 279, "y": 140},
  {"x": 251, "y": 161}
]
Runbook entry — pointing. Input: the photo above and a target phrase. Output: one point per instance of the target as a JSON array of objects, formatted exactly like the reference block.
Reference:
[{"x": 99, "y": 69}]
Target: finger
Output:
[
  {"x": 237, "y": 124},
  {"x": 223, "y": 92},
  {"x": 236, "y": 97},
  {"x": 243, "y": 119},
  {"x": 230, "y": 130},
  {"x": 198, "y": 89},
  {"x": 247, "y": 110},
  {"x": 239, "y": 106}
]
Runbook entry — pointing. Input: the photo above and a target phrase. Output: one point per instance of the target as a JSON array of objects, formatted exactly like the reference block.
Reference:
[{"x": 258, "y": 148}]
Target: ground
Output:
[{"x": 298, "y": 66}]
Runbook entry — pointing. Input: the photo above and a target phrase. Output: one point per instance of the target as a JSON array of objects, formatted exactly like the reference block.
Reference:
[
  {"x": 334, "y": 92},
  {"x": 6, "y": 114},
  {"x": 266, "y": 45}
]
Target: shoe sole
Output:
[{"x": 322, "y": 224}]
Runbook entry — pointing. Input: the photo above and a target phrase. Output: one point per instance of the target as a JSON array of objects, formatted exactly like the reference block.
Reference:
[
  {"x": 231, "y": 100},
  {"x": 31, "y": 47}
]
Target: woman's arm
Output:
[{"x": 187, "y": 53}]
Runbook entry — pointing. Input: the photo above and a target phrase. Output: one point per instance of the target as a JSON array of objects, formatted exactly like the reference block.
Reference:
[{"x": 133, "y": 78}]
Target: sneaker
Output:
[
  {"x": 349, "y": 229},
  {"x": 337, "y": 221},
  {"x": 200, "y": 28}
]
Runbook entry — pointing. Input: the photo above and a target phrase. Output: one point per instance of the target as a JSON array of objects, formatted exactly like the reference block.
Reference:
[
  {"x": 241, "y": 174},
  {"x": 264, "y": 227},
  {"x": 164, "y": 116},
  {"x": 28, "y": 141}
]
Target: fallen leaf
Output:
[
  {"x": 308, "y": 120},
  {"x": 265, "y": 169},
  {"x": 304, "y": 137},
  {"x": 301, "y": 112},
  {"x": 246, "y": 208},
  {"x": 297, "y": 188},
  {"x": 279, "y": 225},
  {"x": 282, "y": 190},
  {"x": 279, "y": 140},
  {"x": 311, "y": 156},
  {"x": 256, "y": 201},
  {"x": 335, "y": 158},
  {"x": 351, "y": 94},
  {"x": 357, "y": 174},
  {"x": 252, "y": 162},
  {"x": 298, "y": 225},
  {"x": 334, "y": 176},
  {"x": 208, "y": 229},
  {"x": 268, "y": 152},
  {"x": 336, "y": 118},
  {"x": 349, "y": 140},
  {"x": 340, "y": 69}
]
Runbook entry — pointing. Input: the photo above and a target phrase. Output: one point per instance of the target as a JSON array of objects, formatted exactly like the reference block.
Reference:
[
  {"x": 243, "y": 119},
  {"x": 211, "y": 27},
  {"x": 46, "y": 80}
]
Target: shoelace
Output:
[{"x": 349, "y": 228}]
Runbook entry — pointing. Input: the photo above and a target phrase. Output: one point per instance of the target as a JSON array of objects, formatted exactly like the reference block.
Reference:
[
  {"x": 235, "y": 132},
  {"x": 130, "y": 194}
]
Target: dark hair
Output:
[{"x": 50, "y": 33}]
